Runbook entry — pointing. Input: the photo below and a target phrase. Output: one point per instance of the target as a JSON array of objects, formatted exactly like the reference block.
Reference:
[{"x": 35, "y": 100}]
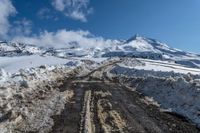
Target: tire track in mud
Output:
[
  {"x": 96, "y": 104},
  {"x": 86, "y": 116},
  {"x": 89, "y": 111},
  {"x": 99, "y": 107},
  {"x": 69, "y": 120}
]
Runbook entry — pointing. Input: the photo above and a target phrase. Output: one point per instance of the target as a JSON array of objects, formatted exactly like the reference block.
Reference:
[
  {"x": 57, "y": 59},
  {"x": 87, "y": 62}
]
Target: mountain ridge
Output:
[{"x": 137, "y": 46}]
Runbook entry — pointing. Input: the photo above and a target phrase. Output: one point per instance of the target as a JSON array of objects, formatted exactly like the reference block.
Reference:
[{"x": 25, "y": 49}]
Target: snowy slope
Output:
[
  {"x": 13, "y": 64},
  {"x": 166, "y": 66},
  {"x": 17, "y": 49}
]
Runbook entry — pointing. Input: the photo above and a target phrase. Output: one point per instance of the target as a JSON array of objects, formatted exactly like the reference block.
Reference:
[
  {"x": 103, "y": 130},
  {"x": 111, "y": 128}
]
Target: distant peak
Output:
[{"x": 135, "y": 37}]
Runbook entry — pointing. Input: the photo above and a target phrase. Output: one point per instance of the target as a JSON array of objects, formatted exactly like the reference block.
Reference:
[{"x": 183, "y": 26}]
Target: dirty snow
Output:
[{"x": 176, "y": 91}]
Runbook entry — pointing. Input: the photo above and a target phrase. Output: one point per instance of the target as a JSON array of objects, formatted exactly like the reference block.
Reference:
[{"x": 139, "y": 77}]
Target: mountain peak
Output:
[{"x": 135, "y": 37}]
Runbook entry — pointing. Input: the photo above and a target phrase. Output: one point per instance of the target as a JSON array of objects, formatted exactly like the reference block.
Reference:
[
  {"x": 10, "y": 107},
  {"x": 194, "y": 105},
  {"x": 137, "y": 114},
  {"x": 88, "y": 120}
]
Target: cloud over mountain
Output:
[{"x": 63, "y": 38}]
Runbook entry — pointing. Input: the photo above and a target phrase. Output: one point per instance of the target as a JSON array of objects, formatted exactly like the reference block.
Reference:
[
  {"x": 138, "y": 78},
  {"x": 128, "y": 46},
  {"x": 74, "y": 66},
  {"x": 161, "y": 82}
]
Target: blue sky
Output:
[{"x": 175, "y": 22}]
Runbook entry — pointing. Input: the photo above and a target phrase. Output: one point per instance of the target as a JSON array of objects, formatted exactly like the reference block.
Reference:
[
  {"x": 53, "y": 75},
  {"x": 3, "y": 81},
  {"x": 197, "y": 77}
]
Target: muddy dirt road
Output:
[
  {"x": 87, "y": 100},
  {"x": 98, "y": 107}
]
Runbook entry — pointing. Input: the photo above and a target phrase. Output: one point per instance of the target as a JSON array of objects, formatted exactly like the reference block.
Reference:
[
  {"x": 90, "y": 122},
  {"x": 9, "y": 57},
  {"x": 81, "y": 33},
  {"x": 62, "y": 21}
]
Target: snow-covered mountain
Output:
[
  {"x": 142, "y": 47},
  {"x": 136, "y": 46}
]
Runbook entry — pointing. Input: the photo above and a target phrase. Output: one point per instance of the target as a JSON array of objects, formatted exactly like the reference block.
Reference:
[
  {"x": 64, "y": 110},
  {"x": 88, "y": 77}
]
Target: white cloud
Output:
[
  {"x": 63, "y": 39},
  {"x": 21, "y": 27},
  {"x": 8, "y": 29},
  {"x": 46, "y": 13},
  {"x": 76, "y": 9},
  {"x": 6, "y": 10}
]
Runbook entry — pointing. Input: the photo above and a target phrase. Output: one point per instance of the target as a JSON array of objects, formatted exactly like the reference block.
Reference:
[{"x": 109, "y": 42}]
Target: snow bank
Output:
[
  {"x": 31, "y": 96},
  {"x": 177, "y": 92}
]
